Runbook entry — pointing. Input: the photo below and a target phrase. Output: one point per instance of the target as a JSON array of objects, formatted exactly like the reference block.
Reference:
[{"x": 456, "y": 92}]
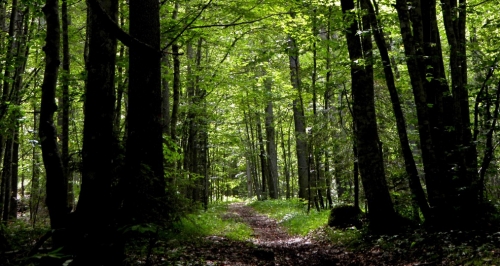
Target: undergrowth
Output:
[
  {"x": 292, "y": 215},
  {"x": 211, "y": 222}
]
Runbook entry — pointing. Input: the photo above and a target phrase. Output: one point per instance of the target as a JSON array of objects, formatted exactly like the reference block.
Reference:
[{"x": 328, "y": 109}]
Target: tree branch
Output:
[
  {"x": 115, "y": 29},
  {"x": 187, "y": 26},
  {"x": 236, "y": 23}
]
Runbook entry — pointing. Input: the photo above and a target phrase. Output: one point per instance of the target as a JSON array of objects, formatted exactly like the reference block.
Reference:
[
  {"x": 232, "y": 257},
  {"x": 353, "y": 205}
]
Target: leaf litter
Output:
[{"x": 272, "y": 245}]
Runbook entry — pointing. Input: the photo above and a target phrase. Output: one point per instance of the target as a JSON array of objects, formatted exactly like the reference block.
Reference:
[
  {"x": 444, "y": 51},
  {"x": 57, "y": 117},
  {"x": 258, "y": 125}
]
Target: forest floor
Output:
[{"x": 272, "y": 245}]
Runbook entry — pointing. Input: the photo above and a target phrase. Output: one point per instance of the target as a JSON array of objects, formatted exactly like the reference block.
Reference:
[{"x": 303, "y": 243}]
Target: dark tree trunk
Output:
[
  {"x": 251, "y": 155},
  {"x": 286, "y": 162},
  {"x": 18, "y": 56},
  {"x": 145, "y": 183},
  {"x": 262, "y": 155},
  {"x": 99, "y": 143},
  {"x": 272, "y": 154},
  {"x": 448, "y": 151},
  {"x": 454, "y": 17},
  {"x": 9, "y": 60},
  {"x": 371, "y": 165},
  {"x": 65, "y": 101},
  {"x": 165, "y": 96},
  {"x": 57, "y": 192},
  {"x": 411, "y": 168},
  {"x": 299, "y": 121},
  {"x": 356, "y": 176},
  {"x": 176, "y": 83},
  {"x": 14, "y": 175},
  {"x": 122, "y": 79},
  {"x": 7, "y": 177}
]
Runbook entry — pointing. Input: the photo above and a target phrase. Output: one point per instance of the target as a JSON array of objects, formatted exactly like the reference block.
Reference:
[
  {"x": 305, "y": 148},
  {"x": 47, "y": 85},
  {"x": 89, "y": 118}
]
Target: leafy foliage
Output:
[
  {"x": 292, "y": 214},
  {"x": 211, "y": 222}
]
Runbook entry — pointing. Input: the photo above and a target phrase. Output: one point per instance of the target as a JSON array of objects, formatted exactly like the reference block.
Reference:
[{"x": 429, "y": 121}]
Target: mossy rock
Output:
[{"x": 344, "y": 216}]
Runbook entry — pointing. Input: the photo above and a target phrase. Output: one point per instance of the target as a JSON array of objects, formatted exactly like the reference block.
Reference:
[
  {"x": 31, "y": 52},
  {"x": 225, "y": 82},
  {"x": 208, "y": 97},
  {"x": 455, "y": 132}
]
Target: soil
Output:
[{"x": 271, "y": 245}]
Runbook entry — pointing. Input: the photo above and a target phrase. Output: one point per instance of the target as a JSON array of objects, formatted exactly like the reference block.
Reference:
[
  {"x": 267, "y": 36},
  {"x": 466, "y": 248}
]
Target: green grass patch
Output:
[
  {"x": 292, "y": 214},
  {"x": 210, "y": 223}
]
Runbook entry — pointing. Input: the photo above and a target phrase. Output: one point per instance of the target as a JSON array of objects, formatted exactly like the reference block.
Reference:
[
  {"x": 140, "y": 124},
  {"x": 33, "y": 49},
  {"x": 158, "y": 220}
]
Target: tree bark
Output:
[
  {"x": 299, "y": 121},
  {"x": 99, "y": 144},
  {"x": 145, "y": 183},
  {"x": 411, "y": 168},
  {"x": 272, "y": 154},
  {"x": 263, "y": 161},
  {"x": 176, "y": 83},
  {"x": 56, "y": 188},
  {"x": 65, "y": 101},
  {"x": 371, "y": 165}
]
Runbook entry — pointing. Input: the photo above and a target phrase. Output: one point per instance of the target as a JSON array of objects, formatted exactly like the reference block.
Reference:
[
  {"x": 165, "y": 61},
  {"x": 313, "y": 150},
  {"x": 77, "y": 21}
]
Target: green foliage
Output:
[
  {"x": 292, "y": 214},
  {"x": 209, "y": 223},
  {"x": 18, "y": 238},
  {"x": 171, "y": 151},
  {"x": 350, "y": 238}
]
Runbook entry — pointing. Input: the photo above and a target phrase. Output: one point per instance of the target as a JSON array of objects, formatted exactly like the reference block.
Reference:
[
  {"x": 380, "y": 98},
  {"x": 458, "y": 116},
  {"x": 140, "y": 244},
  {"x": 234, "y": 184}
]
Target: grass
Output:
[
  {"x": 210, "y": 223},
  {"x": 292, "y": 215}
]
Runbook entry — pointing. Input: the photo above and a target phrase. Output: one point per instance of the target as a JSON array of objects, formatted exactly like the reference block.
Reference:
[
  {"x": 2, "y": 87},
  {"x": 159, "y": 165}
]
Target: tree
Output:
[
  {"x": 56, "y": 187},
  {"x": 371, "y": 165},
  {"x": 411, "y": 168},
  {"x": 299, "y": 121},
  {"x": 449, "y": 155},
  {"x": 144, "y": 180},
  {"x": 272, "y": 154},
  {"x": 99, "y": 151}
]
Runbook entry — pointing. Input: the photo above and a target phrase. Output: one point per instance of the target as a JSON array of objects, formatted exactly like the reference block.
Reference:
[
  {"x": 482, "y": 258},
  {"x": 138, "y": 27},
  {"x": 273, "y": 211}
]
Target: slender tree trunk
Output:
[
  {"x": 14, "y": 175},
  {"x": 122, "y": 79},
  {"x": 7, "y": 177},
  {"x": 57, "y": 192},
  {"x": 65, "y": 101},
  {"x": 272, "y": 154},
  {"x": 411, "y": 168},
  {"x": 176, "y": 83},
  {"x": 252, "y": 152},
  {"x": 263, "y": 161},
  {"x": 299, "y": 121},
  {"x": 9, "y": 60},
  {"x": 165, "y": 96},
  {"x": 286, "y": 163}
]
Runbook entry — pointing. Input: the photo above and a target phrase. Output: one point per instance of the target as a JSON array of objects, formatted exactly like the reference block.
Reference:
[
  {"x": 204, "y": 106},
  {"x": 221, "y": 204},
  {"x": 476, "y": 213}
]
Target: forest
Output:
[{"x": 313, "y": 132}]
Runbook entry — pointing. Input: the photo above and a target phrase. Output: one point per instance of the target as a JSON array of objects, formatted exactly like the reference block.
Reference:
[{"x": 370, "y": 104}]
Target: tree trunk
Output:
[
  {"x": 251, "y": 154},
  {"x": 14, "y": 175},
  {"x": 65, "y": 101},
  {"x": 144, "y": 152},
  {"x": 272, "y": 154},
  {"x": 411, "y": 168},
  {"x": 7, "y": 177},
  {"x": 448, "y": 151},
  {"x": 9, "y": 60},
  {"x": 99, "y": 143},
  {"x": 57, "y": 192},
  {"x": 371, "y": 164},
  {"x": 263, "y": 161},
  {"x": 286, "y": 162},
  {"x": 299, "y": 121},
  {"x": 176, "y": 83}
]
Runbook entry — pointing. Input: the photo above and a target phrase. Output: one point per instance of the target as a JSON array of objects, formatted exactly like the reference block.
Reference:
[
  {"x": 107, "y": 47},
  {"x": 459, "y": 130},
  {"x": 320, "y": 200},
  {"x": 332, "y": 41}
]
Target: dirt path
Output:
[
  {"x": 270, "y": 245},
  {"x": 276, "y": 247}
]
